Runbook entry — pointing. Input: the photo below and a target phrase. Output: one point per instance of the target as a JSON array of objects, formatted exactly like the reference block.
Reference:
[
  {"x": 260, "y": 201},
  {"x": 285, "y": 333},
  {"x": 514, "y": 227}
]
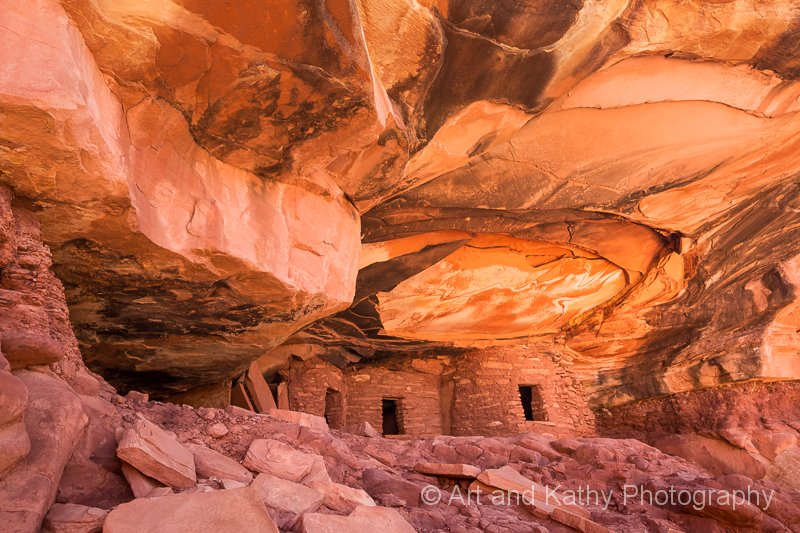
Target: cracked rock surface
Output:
[{"x": 617, "y": 179}]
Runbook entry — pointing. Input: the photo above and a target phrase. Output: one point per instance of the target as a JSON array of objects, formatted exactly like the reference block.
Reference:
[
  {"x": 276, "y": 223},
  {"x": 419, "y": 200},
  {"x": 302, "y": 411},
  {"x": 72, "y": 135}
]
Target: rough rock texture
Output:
[
  {"x": 157, "y": 454},
  {"x": 528, "y": 460},
  {"x": 93, "y": 475},
  {"x": 224, "y": 511},
  {"x": 273, "y": 457},
  {"x": 42, "y": 416},
  {"x": 361, "y": 519},
  {"x": 583, "y": 174},
  {"x": 551, "y": 220},
  {"x": 286, "y": 501},
  {"x": 249, "y": 263},
  {"x": 54, "y": 421},
  {"x": 72, "y": 518},
  {"x": 14, "y": 441}
]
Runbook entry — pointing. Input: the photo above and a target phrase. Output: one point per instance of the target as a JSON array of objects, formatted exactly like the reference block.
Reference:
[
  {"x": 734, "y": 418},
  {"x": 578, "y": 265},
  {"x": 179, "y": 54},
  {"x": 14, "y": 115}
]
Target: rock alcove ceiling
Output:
[
  {"x": 406, "y": 215},
  {"x": 380, "y": 177}
]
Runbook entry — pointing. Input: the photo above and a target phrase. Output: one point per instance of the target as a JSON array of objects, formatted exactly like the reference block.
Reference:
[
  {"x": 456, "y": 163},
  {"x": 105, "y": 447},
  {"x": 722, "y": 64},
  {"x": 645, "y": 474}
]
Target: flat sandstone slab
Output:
[
  {"x": 153, "y": 452},
  {"x": 379, "y": 519},
  {"x": 221, "y": 511},
  {"x": 455, "y": 471},
  {"x": 209, "y": 463},
  {"x": 299, "y": 418},
  {"x": 72, "y": 518},
  {"x": 287, "y": 496},
  {"x": 274, "y": 457}
]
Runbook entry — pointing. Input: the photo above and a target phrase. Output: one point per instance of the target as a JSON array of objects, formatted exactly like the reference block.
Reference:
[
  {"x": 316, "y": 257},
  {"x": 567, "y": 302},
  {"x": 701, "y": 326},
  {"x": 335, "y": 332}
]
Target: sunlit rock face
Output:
[
  {"x": 381, "y": 177},
  {"x": 499, "y": 288},
  {"x": 177, "y": 264}
]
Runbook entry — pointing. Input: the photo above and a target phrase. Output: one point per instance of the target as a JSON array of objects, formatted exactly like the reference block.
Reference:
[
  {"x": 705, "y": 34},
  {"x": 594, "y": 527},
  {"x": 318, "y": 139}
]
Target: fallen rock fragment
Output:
[
  {"x": 274, "y": 457},
  {"x": 73, "y": 518},
  {"x": 240, "y": 398},
  {"x": 140, "y": 485},
  {"x": 454, "y": 471},
  {"x": 337, "y": 496},
  {"x": 286, "y": 500},
  {"x": 161, "y": 491},
  {"x": 93, "y": 474},
  {"x": 259, "y": 391},
  {"x": 299, "y": 418},
  {"x": 209, "y": 463},
  {"x": 155, "y": 453},
  {"x": 283, "y": 396},
  {"x": 217, "y": 430},
  {"x": 364, "y": 429},
  {"x": 390, "y": 489},
  {"x": 220, "y": 511},
  {"x": 380, "y": 519},
  {"x": 345, "y": 499},
  {"x": 232, "y": 484},
  {"x": 509, "y": 480},
  {"x": 207, "y": 413},
  {"x": 239, "y": 411},
  {"x": 318, "y": 476},
  {"x": 137, "y": 396}
]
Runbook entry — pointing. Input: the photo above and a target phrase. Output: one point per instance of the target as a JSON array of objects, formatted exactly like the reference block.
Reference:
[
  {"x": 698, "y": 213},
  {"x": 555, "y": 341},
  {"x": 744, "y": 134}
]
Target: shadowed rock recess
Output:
[{"x": 399, "y": 265}]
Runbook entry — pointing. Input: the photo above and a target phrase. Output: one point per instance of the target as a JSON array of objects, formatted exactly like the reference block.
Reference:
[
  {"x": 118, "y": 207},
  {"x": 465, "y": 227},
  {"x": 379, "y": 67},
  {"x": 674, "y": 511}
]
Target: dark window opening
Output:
[
  {"x": 334, "y": 413},
  {"x": 391, "y": 421},
  {"x": 532, "y": 402}
]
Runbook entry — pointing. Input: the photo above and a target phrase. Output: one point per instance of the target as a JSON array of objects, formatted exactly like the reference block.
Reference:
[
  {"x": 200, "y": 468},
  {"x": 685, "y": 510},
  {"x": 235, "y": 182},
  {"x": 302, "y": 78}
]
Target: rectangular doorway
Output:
[
  {"x": 390, "y": 410},
  {"x": 532, "y": 403},
  {"x": 334, "y": 408}
]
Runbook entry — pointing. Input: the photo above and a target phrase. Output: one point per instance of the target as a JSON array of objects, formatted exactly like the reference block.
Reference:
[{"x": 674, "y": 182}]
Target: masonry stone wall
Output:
[
  {"x": 415, "y": 384},
  {"x": 309, "y": 382},
  {"x": 486, "y": 397},
  {"x": 476, "y": 393}
]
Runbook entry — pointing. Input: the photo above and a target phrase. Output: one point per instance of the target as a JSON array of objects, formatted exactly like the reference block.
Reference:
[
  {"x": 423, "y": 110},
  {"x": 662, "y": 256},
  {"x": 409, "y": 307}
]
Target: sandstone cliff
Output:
[{"x": 573, "y": 220}]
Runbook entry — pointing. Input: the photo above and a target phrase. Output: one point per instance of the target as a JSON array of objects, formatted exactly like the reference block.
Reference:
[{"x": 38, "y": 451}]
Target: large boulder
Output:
[
  {"x": 14, "y": 441},
  {"x": 286, "y": 500},
  {"x": 27, "y": 348},
  {"x": 55, "y": 422},
  {"x": 93, "y": 475},
  {"x": 715, "y": 455},
  {"x": 155, "y": 453},
  {"x": 73, "y": 518},
  {"x": 299, "y": 418},
  {"x": 273, "y": 457},
  {"x": 454, "y": 471},
  {"x": 209, "y": 463},
  {"x": 222, "y": 511},
  {"x": 362, "y": 518},
  {"x": 390, "y": 489}
]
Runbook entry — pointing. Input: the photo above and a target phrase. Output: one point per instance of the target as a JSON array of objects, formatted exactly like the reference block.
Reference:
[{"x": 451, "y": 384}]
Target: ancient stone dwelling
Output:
[
  {"x": 484, "y": 392},
  {"x": 322, "y": 266}
]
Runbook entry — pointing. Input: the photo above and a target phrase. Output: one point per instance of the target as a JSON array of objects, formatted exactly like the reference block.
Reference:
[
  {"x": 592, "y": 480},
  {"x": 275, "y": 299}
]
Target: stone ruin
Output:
[
  {"x": 399, "y": 265},
  {"x": 495, "y": 391}
]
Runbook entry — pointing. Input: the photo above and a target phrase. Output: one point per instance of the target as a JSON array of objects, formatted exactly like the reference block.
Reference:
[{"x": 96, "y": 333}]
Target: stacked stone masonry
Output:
[{"x": 477, "y": 393}]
